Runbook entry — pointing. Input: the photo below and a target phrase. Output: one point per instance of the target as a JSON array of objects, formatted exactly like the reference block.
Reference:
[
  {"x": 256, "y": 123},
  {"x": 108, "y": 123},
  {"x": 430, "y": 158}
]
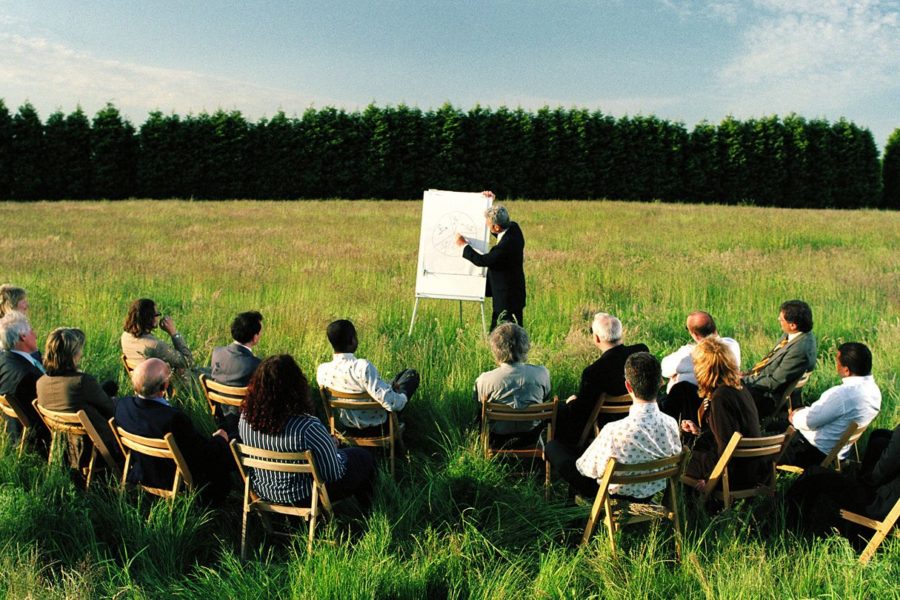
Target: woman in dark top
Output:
[
  {"x": 66, "y": 389},
  {"x": 277, "y": 414},
  {"x": 727, "y": 408}
]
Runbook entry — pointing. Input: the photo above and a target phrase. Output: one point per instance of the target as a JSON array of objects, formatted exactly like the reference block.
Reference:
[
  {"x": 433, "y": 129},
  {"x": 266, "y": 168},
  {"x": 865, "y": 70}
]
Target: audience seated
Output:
[
  {"x": 346, "y": 373},
  {"x": 856, "y": 400},
  {"x": 645, "y": 434},
  {"x": 19, "y": 372},
  {"x": 235, "y": 363},
  {"x": 139, "y": 344},
  {"x": 604, "y": 375},
  {"x": 149, "y": 414},
  {"x": 727, "y": 408},
  {"x": 681, "y": 392},
  {"x": 13, "y": 298},
  {"x": 816, "y": 498},
  {"x": 792, "y": 356},
  {"x": 277, "y": 414},
  {"x": 514, "y": 383},
  {"x": 66, "y": 389}
]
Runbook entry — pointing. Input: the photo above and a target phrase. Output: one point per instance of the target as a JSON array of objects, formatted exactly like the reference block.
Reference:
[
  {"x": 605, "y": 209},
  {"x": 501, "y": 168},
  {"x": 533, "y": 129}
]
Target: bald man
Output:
[
  {"x": 149, "y": 414},
  {"x": 678, "y": 367}
]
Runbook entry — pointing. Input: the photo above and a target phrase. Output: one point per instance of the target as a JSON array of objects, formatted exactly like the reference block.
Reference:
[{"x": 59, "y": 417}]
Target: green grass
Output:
[{"x": 452, "y": 524}]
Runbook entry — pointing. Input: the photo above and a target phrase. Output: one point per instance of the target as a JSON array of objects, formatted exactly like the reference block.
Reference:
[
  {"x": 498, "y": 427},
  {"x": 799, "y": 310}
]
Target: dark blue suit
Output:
[
  {"x": 506, "y": 274},
  {"x": 18, "y": 382}
]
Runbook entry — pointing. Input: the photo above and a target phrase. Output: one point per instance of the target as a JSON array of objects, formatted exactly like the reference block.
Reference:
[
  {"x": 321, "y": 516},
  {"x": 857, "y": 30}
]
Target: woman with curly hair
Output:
[
  {"x": 727, "y": 408},
  {"x": 277, "y": 414}
]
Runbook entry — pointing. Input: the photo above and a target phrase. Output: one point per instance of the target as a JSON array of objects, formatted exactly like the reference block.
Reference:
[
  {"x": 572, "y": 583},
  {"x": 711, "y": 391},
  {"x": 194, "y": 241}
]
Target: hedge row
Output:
[{"x": 396, "y": 152}]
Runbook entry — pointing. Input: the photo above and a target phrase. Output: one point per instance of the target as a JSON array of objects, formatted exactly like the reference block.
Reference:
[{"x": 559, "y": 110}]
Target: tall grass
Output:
[{"x": 452, "y": 524}]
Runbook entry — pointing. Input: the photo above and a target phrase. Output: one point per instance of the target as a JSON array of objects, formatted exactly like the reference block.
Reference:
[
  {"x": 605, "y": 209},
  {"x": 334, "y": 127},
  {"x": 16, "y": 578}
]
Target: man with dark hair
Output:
[
  {"x": 646, "y": 434},
  {"x": 504, "y": 262},
  {"x": 856, "y": 400},
  {"x": 346, "y": 373},
  {"x": 678, "y": 367},
  {"x": 792, "y": 356},
  {"x": 234, "y": 364},
  {"x": 149, "y": 414}
]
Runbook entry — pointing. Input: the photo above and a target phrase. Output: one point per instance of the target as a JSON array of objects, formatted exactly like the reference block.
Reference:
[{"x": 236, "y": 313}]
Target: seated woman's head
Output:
[
  {"x": 63, "y": 350},
  {"x": 509, "y": 343},
  {"x": 12, "y": 298},
  {"x": 715, "y": 366},
  {"x": 142, "y": 317},
  {"x": 277, "y": 391}
]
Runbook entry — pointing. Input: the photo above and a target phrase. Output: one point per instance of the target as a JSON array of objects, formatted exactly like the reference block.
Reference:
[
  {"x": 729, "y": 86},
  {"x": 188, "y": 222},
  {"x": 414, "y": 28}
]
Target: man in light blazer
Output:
[
  {"x": 792, "y": 356},
  {"x": 235, "y": 363},
  {"x": 506, "y": 274}
]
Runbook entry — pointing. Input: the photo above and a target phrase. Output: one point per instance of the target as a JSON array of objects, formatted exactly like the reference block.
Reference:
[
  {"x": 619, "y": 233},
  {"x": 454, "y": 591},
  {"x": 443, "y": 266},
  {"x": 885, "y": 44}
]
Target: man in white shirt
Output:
[
  {"x": 645, "y": 434},
  {"x": 681, "y": 392},
  {"x": 346, "y": 373},
  {"x": 856, "y": 400}
]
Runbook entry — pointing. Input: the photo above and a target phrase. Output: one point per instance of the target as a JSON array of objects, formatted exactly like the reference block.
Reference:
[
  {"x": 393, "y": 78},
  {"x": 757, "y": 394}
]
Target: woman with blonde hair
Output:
[
  {"x": 13, "y": 298},
  {"x": 727, "y": 408},
  {"x": 65, "y": 388}
]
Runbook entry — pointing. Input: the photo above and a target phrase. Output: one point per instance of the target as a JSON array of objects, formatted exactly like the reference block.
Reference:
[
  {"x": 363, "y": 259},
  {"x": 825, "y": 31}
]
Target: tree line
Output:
[{"x": 397, "y": 152}]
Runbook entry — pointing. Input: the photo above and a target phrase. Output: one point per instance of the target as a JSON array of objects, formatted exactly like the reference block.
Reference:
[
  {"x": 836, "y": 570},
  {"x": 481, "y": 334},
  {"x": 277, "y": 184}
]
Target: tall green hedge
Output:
[{"x": 397, "y": 152}]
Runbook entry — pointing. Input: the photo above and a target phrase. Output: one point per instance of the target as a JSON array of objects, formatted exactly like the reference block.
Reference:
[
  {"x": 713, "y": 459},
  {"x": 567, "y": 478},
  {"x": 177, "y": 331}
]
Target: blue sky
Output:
[{"x": 680, "y": 60}]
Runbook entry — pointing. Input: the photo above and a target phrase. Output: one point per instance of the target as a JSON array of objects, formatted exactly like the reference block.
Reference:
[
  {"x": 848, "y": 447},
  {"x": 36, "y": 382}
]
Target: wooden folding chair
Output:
[
  {"x": 605, "y": 405},
  {"x": 850, "y": 437},
  {"x": 12, "y": 410},
  {"x": 785, "y": 402},
  {"x": 69, "y": 423},
  {"x": 742, "y": 447},
  {"x": 496, "y": 411},
  {"x": 617, "y": 512},
  {"x": 219, "y": 393},
  {"x": 164, "y": 447},
  {"x": 882, "y": 529},
  {"x": 281, "y": 462},
  {"x": 129, "y": 365},
  {"x": 334, "y": 400}
]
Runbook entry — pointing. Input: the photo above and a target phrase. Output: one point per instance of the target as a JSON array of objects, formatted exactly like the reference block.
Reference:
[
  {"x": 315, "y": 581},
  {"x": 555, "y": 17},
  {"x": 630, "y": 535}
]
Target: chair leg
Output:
[
  {"x": 312, "y": 532},
  {"x": 610, "y": 527},
  {"x": 676, "y": 521},
  {"x": 244, "y": 536},
  {"x": 90, "y": 469},
  {"x": 53, "y": 438},
  {"x": 592, "y": 520},
  {"x": 22, "y": 440},
  {"x": 872, "y": 546}
]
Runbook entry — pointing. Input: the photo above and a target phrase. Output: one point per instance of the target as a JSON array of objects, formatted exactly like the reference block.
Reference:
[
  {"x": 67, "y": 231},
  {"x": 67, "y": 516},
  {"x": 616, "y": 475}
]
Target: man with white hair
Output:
[
  {"x": 506, "y": 274},
  {"x": 19, "y": 372},
  {"x": 149, "y": 414},
  {"x": 606, "y": 375}
]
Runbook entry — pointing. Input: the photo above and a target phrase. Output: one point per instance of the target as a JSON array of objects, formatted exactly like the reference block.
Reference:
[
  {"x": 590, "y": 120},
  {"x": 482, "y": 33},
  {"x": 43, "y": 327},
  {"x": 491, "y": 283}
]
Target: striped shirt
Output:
[{"x": 302, "y": 432}]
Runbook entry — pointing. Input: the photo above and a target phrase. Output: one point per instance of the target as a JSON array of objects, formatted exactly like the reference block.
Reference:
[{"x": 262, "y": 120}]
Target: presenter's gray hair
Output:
[
  {"x": 498, "y": 215},
  {"x": 510, "y": 343},
  {"x": 607, "y": 328},
  {"x": 13, "y": 325}
]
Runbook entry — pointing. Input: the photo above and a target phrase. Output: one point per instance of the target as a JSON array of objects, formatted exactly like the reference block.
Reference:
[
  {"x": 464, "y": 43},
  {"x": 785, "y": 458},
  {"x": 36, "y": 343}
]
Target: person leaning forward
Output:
[{"x": 504, "y": 262}]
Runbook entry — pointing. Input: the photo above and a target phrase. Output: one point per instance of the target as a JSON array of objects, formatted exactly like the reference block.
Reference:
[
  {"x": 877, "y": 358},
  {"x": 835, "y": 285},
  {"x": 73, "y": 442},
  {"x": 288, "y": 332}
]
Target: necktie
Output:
[{"x": 762, "y": 364}]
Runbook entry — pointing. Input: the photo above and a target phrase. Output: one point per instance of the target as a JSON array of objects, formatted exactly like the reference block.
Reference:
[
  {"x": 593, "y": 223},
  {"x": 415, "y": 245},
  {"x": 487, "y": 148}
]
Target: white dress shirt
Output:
[
  {"x": 352, "y": 375},
  {"x": 645, "y": 434},
  {"x": 857, "y": 399},
  {"x": 679, "y": 366}
]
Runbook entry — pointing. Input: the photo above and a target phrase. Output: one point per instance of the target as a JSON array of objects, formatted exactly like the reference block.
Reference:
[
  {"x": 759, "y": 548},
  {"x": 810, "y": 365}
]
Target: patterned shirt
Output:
[
  {"x": 302, "y": 432},
  {"x": 346, "y": 373},
  {"x": 645, "y": 434}
]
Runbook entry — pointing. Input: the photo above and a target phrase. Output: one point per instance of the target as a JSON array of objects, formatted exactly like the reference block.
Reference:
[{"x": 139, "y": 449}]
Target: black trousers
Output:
[{"x": 507, "y": 316}]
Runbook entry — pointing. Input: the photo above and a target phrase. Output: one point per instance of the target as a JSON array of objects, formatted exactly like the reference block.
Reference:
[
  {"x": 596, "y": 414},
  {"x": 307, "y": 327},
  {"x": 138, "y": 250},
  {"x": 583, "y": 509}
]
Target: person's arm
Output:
[
  {"x": 721, "y": 419},
  {"x": 94, "y": 395},
  {"x": 589, "y": 389},
  {"x": 328, "y": 462},
  {"x": 593, "y": 462},
  {"x": 500, "y": 255},
  {"x": 823, "y": 411},
  {"x": 378, "y": 388},
  {"x": 677, "y": 362},
  {"x": 794, "y": 364},
  {"x": 180, "y": 356}
]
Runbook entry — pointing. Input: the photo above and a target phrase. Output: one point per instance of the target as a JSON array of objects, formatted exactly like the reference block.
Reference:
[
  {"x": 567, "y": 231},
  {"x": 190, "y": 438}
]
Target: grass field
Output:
[{"x": 452, "y": 524}]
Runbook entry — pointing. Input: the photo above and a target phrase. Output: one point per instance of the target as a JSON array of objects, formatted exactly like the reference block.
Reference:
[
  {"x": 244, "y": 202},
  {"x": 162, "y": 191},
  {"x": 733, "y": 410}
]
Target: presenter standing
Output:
[{"x": 506, "y": 275}]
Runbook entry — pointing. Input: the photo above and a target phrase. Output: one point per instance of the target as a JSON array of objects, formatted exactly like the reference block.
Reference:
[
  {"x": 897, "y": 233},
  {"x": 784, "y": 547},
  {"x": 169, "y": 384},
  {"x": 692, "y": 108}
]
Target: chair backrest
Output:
[
  {"x": 280, "y": 462},
  {"x": 654, "y": 470},
  {"x": 129, "y": 365},
  {"x": 785, "y": 399},
  {"x": 497, "y": 411},
  {"x": 605, "y": 405},
  {"x": 63, "y": 422},
  {"x": 165, "y": 447},
  {"x": 333, "y": 400},
  {"x": 219, "y": 393},
  {"x": 850, "y": 436},
  {"x": 746, "y": 447},
  {"x": 12, "y": 410}
]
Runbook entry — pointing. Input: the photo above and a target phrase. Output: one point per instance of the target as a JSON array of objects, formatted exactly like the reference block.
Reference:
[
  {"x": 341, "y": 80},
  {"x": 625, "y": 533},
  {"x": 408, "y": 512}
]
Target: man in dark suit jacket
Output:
[
  {"x": 789, "y": 359},
  {"x": 149, "y": 414},
  {"x": 19, "y": 372},
  {"x": 506, "y": 275},
  {"x": 234, "y": 364},
  {"x": 605, "y": 375}
]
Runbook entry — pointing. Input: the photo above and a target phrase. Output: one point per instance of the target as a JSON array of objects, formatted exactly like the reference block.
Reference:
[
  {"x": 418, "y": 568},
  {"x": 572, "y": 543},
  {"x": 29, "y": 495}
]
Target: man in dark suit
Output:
[
  {"x": 606, "y": 375},
  {"x": 506, "y": 275},
  {"x": 149, "y": 414},
  {"x": 234, "y": 364},
  {"x": 19, "y": 372},
  {"x": 789, "y": 359}
]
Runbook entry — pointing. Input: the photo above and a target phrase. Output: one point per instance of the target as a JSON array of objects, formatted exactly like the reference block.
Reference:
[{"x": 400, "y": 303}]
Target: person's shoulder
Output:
[{"x": 632, "y": 349}]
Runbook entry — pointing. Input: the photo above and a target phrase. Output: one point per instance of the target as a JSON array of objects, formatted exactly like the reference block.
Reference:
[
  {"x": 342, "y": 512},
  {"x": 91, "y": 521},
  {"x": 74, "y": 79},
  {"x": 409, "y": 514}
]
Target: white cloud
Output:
[
  {"x": 815, "y": 57},
  {"x": 36, "y": 69}
]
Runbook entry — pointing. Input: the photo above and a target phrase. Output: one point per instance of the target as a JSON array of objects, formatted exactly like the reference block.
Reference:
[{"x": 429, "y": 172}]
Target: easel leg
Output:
[
  {"x": 483, "y": 324},
  {"x": 460, "y": 314},
  {"x": 413, "y": 320}
]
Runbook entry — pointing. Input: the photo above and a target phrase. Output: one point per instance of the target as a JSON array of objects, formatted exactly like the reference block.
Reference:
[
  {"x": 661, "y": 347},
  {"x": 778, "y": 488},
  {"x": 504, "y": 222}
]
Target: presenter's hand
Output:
[
  {"x": 461, "y": 241},
  {"x": 489, "y": 194}
]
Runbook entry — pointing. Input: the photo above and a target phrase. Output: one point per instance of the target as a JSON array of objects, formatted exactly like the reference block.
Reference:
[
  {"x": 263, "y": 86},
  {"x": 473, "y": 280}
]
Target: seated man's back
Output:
[{"x": 235, "y": 363}]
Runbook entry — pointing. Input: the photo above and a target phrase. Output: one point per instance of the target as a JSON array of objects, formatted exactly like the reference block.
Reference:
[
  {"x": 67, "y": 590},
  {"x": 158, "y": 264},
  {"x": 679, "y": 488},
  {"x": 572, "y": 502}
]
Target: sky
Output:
[{"x": 680, "y": 60}]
